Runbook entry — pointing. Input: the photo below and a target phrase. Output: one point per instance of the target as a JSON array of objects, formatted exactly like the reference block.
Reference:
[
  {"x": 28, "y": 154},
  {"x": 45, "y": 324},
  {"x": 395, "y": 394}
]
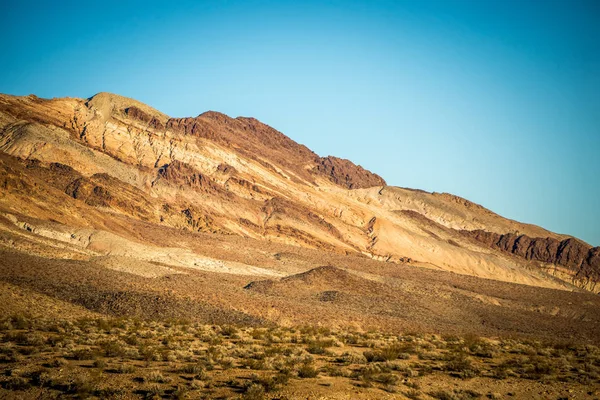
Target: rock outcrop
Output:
[
  {"x": 580, "y": 260},
  {"x": 347, "y": 174}
]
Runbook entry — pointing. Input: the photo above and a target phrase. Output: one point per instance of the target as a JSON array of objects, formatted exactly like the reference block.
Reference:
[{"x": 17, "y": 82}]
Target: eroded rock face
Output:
[
  {"x": 180, "y": 173},
  {"x": 581, "y": 260},
  {"x": 136, "y": 113},
  {"x": 347, "y": 174}
]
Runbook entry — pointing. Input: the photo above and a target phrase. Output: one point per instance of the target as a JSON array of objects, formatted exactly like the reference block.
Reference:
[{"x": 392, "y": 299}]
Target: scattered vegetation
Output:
[{"x": 107, "y": 358}]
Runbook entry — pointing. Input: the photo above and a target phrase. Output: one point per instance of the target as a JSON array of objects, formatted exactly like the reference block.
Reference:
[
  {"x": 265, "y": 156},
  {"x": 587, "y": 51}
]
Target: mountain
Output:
[
  {"x": 110, "y": 205},
  {"x": 81, "y": 162}
]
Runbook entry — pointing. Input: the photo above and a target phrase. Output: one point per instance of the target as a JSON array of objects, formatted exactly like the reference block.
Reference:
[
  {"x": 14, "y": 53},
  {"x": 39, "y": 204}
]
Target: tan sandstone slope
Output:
[{"x": 72, "y": 170}]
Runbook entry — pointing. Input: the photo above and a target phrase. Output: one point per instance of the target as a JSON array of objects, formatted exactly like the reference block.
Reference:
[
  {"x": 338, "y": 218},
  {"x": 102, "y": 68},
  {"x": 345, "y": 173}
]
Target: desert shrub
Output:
[
  {"x": 389, "y": 353},
  {"x": 272, "y": 383},
  {"x": 58, "y": 363},
  {"x": 451, "y": 338},
  {"x": 132, "y": 340},
  {"x": 455, "y": 395},
  {"x": 153, "y": 391},
  {"x": 226, "y": 362},
  {"x": 442, "y": 395},
  {"x": 422, "y": 369},
  {"x": 196, "y": 384},
  {"x": 527, "y": 367},
  {"x": 332, "y": 370},
  {"x": 149, "y": 353},
  {"x": 16, "y": 383},
  {"x": 99, "y": 363},
  {"x": 367, "y": 374},
  {"x": 40, "y": 377},
  {"x": 386, "y": 379},
  {"x": 180, "y": 393},
  {"x": 215, "y": 341},
  {"x": 229, "y": 331},
  {"x": 194, "y": 368},
  {"x": 351, "y": 339},
  {"x": 537, "y": 368},
  {"x": 460, "y": 365},
  {"x": 169, "y": 355},
  {"x": 307, "y": 370},
  {"x": 254, "y": 392},
  {"x": 478, "y": 346},
  {"x": 124, "y": 368},
  {"x": 84, "y": 386},
  {"x": 316, "y": 348},
  {"x": 111, "y": 393},
  {"x": 260, "y": 364},
  {"x": 390, "y": 388},
  {"x": 17, "y": 337},
  {"x": 412, "y": 384},
  {"x": 413, "y": 394},
  {"x": 109, "y": 324},
  {"x": 28, "y": 350},
  {"x": 258, "y": 333},
  {"x": 349, "y": 358},
  {"x": 84, "y": 354},
  {"x": 112, "y": 348},
  {"x": 21, "y": 322},
  {"x": 157, "y": 376}
]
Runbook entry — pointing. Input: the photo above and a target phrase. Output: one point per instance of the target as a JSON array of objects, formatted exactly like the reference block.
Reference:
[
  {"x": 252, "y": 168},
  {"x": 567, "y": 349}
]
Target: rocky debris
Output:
[
  {"x": 92, "y": 195},
  {"x": 249, "y": 224},
  {"x": 192, "y": 127},
  {"x": 102, "y": 190},
  {"x": 580, "y": 258},
  {"x": 329, "y": 295},
  {"x": 199, "y": 221},
  {"x": 277, "y": 210},
  {"x": 370, "y": 231},
  {"x": 225, "y": 168},
  {"x": 290, "y": 234},
  {"x": 347, "y": 174},
  {"x": 246, "y": 184}
]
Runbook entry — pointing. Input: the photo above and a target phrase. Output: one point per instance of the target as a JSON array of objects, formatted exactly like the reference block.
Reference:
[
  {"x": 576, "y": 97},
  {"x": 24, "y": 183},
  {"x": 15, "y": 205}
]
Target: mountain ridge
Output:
[{"x": 214, "y": 173}]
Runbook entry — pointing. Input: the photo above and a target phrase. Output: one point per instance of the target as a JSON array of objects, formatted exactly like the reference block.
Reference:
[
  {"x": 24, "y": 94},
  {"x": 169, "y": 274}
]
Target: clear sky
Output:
[{"x": 495, "y": 101}]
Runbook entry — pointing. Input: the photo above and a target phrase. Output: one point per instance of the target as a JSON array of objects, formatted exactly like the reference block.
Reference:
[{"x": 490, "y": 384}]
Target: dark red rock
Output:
[
  {"x": 347, "y": 174},
  {"x": 178, "y": 172},
  {"x": 581, "y": 259},
  {"x": 136, "y": 113},
  {"x": 261, "y": 142}
]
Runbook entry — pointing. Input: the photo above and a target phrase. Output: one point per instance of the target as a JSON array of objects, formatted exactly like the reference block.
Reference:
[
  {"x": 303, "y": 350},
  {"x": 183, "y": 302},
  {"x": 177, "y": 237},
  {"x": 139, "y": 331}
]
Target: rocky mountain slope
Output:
[{"x": 75, "y": 173}]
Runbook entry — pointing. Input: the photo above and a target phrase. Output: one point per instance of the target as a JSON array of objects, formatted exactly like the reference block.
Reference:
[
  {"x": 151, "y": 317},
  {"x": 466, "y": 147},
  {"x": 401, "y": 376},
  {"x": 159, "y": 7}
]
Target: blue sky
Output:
[{"x": 495, "y": 101}]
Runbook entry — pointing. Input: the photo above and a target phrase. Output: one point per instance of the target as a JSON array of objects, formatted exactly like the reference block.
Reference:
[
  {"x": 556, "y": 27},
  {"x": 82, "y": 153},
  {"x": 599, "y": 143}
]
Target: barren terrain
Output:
[{"x": 143, "y": 255}]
